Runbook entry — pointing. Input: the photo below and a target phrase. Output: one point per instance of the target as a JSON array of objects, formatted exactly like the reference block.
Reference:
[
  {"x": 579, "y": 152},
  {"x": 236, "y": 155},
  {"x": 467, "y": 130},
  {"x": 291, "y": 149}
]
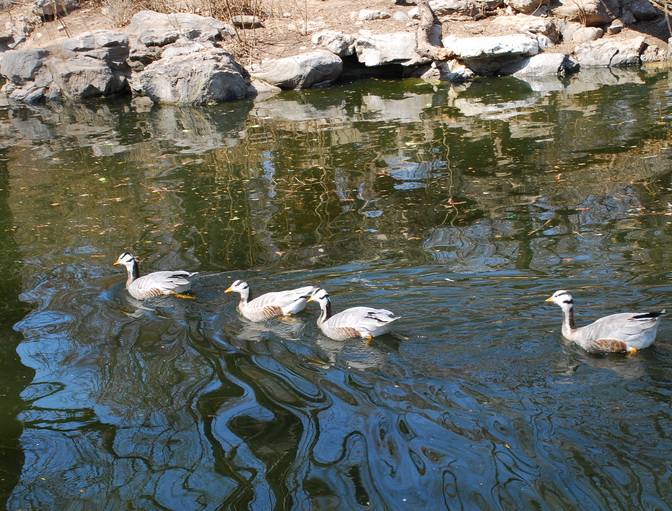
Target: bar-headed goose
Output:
[
  {"x": 270, "y": 305},
  {"x": 159, "y": 283},
  {"x": 619, "y": 333},
  {"x": 364, "y": 322}
]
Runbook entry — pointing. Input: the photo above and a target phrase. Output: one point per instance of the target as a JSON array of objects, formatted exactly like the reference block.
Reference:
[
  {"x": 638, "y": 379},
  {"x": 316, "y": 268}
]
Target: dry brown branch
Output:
[{"x": 430, "y": 30}]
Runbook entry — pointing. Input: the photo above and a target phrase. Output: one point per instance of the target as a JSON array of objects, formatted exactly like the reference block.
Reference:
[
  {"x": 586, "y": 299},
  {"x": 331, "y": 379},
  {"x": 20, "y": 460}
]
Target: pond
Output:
[{"x": 460, "y": 208}]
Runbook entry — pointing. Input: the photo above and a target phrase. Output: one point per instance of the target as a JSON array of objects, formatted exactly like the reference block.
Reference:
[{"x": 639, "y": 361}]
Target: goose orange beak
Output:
[{"x": 229, "y": 290}]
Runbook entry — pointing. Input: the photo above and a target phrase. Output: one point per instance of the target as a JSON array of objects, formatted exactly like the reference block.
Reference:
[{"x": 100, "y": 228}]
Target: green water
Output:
[{"x": 461, "y": 209}]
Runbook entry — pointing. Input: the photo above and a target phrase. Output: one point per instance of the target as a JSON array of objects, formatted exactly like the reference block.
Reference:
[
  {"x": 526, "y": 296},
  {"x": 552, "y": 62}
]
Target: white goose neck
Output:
[
  {"x": 325, "y": 311},
  {"x": 133, "y": 269},
  {"x": 568, "y": 325}
]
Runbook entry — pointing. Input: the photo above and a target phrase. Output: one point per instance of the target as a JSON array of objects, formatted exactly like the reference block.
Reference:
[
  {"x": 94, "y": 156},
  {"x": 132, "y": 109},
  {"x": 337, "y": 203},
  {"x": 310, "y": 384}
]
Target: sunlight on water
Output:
[{"x": 461, "y": 209}]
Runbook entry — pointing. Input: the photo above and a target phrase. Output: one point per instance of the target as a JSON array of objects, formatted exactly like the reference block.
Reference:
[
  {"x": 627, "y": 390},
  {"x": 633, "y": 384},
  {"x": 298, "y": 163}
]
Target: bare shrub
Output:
[{"x": 121, "y": 11}]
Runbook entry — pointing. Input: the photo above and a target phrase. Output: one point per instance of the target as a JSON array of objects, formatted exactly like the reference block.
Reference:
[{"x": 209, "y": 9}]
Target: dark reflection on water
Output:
[
  {"x": 461, "y": 209},
  {"x": 15, "y": 375}
]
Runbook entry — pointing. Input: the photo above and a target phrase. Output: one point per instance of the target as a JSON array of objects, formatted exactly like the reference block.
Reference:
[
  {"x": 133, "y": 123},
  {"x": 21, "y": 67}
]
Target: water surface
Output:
[{"x": 459, "y": 208}]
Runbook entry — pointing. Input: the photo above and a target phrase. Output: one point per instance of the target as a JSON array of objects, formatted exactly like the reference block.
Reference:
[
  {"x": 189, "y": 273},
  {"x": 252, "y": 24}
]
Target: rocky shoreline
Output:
[{"x": 183, "y": 58}]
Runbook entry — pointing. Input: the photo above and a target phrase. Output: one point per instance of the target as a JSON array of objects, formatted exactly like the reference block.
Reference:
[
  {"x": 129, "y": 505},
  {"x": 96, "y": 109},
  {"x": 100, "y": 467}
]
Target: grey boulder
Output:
[
  {"x": 208, "y": 76},
  {"x": 313, "y": 69}
]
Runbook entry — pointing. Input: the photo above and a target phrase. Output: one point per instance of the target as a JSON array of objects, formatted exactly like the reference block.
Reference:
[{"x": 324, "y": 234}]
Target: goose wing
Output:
[
  {"x": 287, "y": 302},
  {"x": 633, "y": 329},
  {"x": 161, "y": 283},
  {"x": 366, "y": 320}
]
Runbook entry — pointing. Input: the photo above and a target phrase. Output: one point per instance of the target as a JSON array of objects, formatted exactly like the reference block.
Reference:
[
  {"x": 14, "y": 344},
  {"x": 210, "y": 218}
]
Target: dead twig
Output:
[
  {"x": 429, "y": 32},
  {"x": 534, "y": 231}
]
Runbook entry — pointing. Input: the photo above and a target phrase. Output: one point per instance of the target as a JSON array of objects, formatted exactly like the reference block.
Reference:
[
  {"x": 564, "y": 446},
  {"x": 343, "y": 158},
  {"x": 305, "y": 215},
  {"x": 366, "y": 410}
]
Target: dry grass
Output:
[
  {"x": 121, "y": 11},
  {"x": 247, "y": 44}
]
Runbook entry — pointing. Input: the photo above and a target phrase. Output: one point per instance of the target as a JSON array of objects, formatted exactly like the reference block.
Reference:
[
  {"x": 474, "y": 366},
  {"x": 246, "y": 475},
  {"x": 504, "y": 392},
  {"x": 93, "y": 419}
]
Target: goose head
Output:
[
  {"x": 321, "y": 297},
  {"x": 563, "y": 299},
  {"x": 127, "y": 259},
  {"x": 241, "y": 287}
]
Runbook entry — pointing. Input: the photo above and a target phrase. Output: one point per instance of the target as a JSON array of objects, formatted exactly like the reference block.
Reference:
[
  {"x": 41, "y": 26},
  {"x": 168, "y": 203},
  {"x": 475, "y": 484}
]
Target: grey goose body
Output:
[
  {"x": 364, "y": 322},
  {"x": 158, "y": 283},
  {"x": 618, "y": 333},
  {"x": 270, "y": 305}
]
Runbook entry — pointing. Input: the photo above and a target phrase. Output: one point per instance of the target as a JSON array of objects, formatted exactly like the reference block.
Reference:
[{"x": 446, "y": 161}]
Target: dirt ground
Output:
[{"x": 284, "y": 25}]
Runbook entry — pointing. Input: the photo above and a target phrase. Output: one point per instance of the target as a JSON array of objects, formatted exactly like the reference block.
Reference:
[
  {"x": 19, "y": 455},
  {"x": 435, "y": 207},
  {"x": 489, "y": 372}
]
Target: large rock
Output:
[
  {"x": 208, "y": 76},
  {"x": 314, "y": 69},
  {"x": 156, "y": 35},
  {"x": 588, "y": 12},
  {"x": 448, "y": 8},
  {"x": 489, "y": 48},
  {"x": 395, "y": 48},
  {"x": 15, "y": 32},
  {"x": 642, "y": 10},
  {"x": 610, "y": 53},
  {"x": 94, "y": 65},
  {"x": 542, "y": 27},
  {"x": 90, "y": 65},
  {"x": 487, "y": 55},
  {"x": 82, "y": 78},
  {"x": 524, "y": 24},
  {"x": 106, "y": 45},
  {"x": 336, "y": 42},
  {"x": 528, "y": 6},
  {"x": 587, "y": 34},
  {"x": 190, "y": 26},
  {"x": 77, "y": 78},
  {"x": 21, "y": 66}
]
